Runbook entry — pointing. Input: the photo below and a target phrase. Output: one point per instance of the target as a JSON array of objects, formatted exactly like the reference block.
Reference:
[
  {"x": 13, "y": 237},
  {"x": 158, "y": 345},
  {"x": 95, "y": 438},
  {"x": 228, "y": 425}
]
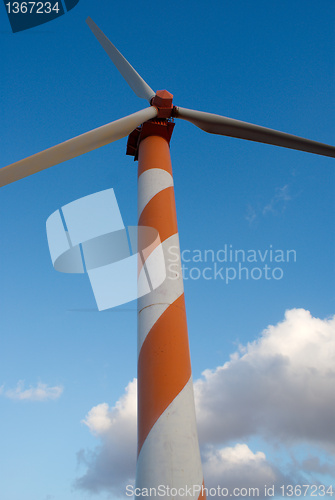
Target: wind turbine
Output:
[{"x": 168, "y": 450}]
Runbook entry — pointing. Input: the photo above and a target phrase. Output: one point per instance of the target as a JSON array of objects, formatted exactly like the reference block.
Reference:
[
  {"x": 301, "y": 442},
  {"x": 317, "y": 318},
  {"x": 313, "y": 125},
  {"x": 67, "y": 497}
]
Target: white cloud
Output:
[
  {"x": 39, "y": 393},
  {"x": 238, "y": 467},
  {"x": 111, "y": 466},
  {"x": 276, "y": 206},
  {"x": 279, "y": 388},
  {"x": 278, "y": 202},
  {"x": 98, "y": 420}
]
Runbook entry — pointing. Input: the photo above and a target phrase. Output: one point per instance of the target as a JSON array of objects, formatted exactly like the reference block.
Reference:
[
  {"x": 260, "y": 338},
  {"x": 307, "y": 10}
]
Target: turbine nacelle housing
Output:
[{"x": 162, "y": 125}]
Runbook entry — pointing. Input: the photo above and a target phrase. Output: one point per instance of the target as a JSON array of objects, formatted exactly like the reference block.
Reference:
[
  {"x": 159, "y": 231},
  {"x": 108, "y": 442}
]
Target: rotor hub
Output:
[{"x": 163, "y": 102}]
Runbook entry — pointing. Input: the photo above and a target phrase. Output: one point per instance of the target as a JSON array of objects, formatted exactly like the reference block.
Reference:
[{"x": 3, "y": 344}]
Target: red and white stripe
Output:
[{"x": 168, "y": 449}]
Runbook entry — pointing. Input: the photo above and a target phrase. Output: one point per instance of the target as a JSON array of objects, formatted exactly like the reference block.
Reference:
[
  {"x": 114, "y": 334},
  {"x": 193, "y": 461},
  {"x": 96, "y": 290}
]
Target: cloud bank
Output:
[
  {"x": 280, "y": 386},
  {"x": 279, "y": 389}
]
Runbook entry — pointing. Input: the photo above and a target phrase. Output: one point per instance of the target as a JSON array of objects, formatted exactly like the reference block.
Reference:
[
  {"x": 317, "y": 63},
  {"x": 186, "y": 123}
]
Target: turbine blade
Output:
[
  {"x": 76, "y": 146},
  {"x": 134, "y": 80},
  {"x": 216, "y": 124}
]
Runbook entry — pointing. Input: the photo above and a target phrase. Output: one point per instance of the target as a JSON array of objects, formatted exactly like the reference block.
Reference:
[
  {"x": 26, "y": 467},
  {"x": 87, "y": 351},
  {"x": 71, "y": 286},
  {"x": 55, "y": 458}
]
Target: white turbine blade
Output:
[
  {"x": 134, "y": 80},
  {"x": 216, "y": 124},
  {"x": 75, "y": 147}
]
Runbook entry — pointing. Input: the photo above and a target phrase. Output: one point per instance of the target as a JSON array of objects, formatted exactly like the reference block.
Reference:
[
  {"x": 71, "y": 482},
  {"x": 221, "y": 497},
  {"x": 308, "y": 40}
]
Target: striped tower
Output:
[{"x": 168, "y": 450}]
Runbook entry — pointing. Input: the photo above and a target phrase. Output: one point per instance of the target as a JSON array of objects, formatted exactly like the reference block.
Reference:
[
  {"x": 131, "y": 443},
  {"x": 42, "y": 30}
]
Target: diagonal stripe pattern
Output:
[{"x": 168, "y": 449}]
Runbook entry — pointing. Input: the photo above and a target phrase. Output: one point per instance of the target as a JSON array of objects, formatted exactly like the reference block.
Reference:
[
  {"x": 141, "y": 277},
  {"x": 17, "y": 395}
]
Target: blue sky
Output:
[{"x": 270, "y": 63}]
